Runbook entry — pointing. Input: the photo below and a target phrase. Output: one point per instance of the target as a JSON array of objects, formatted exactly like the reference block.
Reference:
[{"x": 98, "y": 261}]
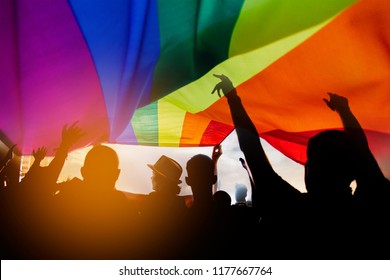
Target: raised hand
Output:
[
  {"x": 225, "y": 85},
  {"x": 245, "y": 166},
  {"x": 39, "y": 154},
  {"x": 336, "y": 102},
  {"x": 217, "y": 152},
  {"x": 71, "y": 135}
]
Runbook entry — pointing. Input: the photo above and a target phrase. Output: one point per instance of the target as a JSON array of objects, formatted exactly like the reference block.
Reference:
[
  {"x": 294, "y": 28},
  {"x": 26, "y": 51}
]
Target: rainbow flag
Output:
[{"x": 140, "y": 72}]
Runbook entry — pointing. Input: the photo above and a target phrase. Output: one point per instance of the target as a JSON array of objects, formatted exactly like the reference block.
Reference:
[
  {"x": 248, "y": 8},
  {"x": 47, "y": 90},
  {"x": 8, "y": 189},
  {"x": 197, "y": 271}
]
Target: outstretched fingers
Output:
[
  {"x": 40, "y": 153},
  {"x": 225, "y": 85},
  {"x": 71, "y": 134},
  {"x": 217, "y": 89}
]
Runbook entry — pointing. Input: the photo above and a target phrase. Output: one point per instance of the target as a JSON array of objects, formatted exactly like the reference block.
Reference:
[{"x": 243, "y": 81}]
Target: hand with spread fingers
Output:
[
  {"x": 70, "y": 135},
  {"x": 39, "y": 154},
  {"x": 225, "y": 85}
]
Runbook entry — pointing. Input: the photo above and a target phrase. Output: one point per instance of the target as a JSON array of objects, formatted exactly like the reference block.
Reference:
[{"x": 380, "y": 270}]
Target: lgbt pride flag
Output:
[{"x": 140, "y": 72}]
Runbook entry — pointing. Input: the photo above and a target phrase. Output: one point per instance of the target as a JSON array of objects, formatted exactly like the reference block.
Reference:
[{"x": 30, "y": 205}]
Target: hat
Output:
[{"x": 168, "y": 168}]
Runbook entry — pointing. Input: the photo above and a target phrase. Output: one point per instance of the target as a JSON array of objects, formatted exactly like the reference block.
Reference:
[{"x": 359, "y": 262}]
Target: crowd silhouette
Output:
[{"x": 89, "y": 218}]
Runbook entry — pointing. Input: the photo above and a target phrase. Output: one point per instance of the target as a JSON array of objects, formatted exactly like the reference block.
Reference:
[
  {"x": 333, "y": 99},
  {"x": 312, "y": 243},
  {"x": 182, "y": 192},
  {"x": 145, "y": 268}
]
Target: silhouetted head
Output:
[
  {"x": 222, "y": 199},
  {"x": 241, "y": 193},
  {"x": 330, "y": 166},
  {"x": 166, "y": 175},
  {"x": 101, "y": 167},
  {"x": 200, "y": 175}
]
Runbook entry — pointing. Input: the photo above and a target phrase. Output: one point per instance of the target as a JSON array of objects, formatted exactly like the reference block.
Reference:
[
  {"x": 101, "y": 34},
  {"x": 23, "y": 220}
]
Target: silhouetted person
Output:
[
  {"x": 222, "y": 219},
  {"x": 6, "y": 185},
  {"x": 245, "y": 222},
  {"x": 7, "y": 205},
  {"x": 201, "y": 178},
  {"x": 203, "y": 223},
  {"x": 373, "y": 190},
  {"x": 240, "y": 194},
  {"x": 39, "y": 181},
  {"x": 96, "y": 221},
  {"x": 222, "y": 200},
  {"x": 4, "y": 162},
  {"x": 163, "y": 211},
  {"x": 223, "y": 222},
  {"x": 35, "y": 185},
  {"x": 324, "y": 222},
  {"x": 31, "y": 210}
]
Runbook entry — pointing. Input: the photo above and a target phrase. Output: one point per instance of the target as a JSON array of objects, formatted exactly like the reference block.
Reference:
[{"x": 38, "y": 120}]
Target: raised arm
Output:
[
  {"x": 269, "y": 185},
  {"x": 243, "y": 163},
  {"x": 34, "y": 175},
  {"x": 247, "y": 134},
  {"x": 38, "y": 154},
  {"x": 70, "y": 135},
  {"x": 5, "y": 161},
  {"x": 351, "y": 125},
  {"x": 369, "y": 174}
]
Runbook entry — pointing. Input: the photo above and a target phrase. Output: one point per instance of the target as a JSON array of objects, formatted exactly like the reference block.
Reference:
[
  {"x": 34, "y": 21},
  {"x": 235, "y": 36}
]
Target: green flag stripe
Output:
[
  {"x": 194, "y": 37},
  {"x": 266, "y": 21}
]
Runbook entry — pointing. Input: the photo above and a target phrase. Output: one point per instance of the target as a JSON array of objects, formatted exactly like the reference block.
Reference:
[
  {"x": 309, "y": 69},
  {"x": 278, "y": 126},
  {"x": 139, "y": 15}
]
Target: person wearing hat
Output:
[
  {"x": 166, "y": 176},
  {"x": 163, "y": 210}
]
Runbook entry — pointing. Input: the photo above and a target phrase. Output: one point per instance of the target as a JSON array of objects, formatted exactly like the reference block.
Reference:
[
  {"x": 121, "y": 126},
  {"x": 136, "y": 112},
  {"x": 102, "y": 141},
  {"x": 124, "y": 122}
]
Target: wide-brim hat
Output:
[{"x": 168, "y": 168}]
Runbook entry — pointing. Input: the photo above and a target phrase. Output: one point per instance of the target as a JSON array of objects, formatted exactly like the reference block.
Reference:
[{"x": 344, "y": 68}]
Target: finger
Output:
[
  {"x": 330, "y": 94},
  {"x": 215, "y": 88},
  {"x": 74, "y": 125},
  {"x": 327, "y": 102},
  {"x": 222, "y": 77},
  {"x": 65, "y": 128}
]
